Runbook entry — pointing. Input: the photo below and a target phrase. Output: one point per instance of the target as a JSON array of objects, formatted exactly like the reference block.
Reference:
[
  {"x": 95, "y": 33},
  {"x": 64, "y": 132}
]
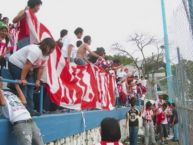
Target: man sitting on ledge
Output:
[{"x": 25, "y": 130}]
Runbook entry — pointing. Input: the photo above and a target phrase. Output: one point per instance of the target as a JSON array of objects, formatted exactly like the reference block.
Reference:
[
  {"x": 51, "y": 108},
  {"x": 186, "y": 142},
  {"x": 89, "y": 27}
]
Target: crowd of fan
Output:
[
  {"x": 160, "y": 122},
  {"x": 28, "y": 60}
]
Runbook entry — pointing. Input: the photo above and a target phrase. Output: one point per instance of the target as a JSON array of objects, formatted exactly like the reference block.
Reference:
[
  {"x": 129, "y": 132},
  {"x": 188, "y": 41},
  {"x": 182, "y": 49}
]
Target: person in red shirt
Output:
[{"x": 23, "y": 38}]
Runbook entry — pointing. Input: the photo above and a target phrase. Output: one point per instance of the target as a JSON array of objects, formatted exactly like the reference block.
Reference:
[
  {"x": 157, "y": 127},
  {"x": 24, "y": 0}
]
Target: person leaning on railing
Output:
[
  {"x": 24, "y": 128},
  {"x": 23, "y": 63}
]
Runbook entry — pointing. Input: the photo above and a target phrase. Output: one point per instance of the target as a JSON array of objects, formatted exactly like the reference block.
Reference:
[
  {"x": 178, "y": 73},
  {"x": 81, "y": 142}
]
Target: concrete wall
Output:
[
  {"x": 57, "y": 126},
  {"x": 89, "y": 137}
]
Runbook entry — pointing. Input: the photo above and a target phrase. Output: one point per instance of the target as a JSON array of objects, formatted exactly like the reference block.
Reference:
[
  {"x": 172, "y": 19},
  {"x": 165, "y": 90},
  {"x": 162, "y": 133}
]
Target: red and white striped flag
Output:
[{"x": 70, "y": 85}]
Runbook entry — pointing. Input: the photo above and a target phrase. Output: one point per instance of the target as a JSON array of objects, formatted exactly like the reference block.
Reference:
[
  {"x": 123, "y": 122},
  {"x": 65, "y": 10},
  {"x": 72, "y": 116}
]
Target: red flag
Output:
[{"x": 69, "y": 85}]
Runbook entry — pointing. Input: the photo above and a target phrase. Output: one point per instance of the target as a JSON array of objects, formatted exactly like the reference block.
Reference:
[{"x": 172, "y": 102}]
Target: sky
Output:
[{"x": 106, "y": 21}]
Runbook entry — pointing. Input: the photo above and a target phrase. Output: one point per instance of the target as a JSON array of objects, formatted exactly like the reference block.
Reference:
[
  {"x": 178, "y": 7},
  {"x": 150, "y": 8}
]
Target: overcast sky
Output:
[{"x": 107, "y": 21}]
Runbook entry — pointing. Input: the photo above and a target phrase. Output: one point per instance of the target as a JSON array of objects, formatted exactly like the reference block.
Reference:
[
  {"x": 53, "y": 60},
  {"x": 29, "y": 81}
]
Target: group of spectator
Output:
[
  {"x": 160, "y": 122},
  {"x": 28, "y": 62},
  {"x": 130, "y": 86}
]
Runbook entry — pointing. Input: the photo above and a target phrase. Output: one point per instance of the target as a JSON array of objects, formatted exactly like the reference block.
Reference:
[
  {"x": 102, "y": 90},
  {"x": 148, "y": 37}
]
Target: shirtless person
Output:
[{"x": 81, "y": 53}]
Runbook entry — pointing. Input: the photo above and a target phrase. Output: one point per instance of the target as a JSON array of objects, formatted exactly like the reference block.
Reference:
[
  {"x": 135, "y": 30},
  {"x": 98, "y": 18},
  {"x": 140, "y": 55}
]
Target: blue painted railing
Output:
[
  {"x": 8, "y": 79},
  {"x": 57, "y": 126}
]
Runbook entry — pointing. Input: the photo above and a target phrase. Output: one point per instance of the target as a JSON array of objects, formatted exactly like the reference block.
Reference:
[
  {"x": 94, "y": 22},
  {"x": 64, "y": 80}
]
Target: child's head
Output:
[
  {"x": 87, "y": 39},
  {"x": 110, "y": 130},
  {"x": 34, "y": 4}
]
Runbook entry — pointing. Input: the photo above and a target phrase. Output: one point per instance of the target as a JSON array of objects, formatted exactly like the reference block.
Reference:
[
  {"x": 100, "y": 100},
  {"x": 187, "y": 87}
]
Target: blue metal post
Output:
[
  {"x": 41, "y": 98},
  {"x": 167, "y": 52}
]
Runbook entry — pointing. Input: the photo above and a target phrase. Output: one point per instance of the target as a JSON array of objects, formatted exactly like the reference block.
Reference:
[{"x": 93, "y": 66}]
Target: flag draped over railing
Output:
[{"x": 69, "y": 85}]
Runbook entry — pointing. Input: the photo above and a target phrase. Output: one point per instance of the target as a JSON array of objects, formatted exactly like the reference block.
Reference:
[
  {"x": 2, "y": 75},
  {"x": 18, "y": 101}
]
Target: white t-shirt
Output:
[
  {"x": 32, "y": 53},
  {"x": 14, "y": 110},
  {"x": 66, "y": 41}
]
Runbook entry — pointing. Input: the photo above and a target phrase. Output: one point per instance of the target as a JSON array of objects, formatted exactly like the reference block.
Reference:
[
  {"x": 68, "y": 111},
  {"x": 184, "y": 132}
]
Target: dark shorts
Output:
[{"x": 164, "y": 132}]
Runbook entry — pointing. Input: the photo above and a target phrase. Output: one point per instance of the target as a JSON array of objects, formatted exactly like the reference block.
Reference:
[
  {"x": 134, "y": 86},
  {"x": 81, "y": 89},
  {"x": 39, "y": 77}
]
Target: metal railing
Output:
[{"x": 29, "y": 84}]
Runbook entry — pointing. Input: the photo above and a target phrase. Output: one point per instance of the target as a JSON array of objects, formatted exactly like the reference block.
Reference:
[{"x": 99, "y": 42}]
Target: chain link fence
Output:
[{"x": 181, "y": 45}]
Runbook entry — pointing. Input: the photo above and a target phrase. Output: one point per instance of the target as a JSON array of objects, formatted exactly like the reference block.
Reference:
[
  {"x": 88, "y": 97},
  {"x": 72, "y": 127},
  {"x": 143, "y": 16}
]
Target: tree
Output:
[
  {"x": 141, "y": 42},
  {"x": 123, "y": 59}
]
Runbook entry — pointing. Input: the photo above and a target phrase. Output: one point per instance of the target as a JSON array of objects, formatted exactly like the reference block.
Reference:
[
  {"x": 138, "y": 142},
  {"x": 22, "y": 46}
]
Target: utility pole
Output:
[{"x": 167, "y": 53}]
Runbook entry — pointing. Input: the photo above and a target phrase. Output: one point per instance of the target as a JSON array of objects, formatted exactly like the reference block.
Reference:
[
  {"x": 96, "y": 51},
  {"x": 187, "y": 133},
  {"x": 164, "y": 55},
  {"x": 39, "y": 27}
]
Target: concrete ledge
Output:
[{"x": 57, "y": 126}]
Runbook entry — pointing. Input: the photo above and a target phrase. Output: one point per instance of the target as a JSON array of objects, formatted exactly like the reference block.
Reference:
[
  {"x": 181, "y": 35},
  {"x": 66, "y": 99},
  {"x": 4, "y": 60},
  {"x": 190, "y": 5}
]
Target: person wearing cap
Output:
[
  {"x": 21, "y": 19},
  {"x": 3, "y": 45},
  {"x": 24, "y": 128},
  {"x": 3, "y": 31}
]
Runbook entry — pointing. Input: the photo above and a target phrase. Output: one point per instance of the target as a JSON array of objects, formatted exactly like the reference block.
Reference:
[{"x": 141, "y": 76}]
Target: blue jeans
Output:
[
  {"x": 79, "y": 61},
  {"x": 176, "y": 131},
  {"x": 28, "y": 91},
  {"x": 133, "y": 133}
]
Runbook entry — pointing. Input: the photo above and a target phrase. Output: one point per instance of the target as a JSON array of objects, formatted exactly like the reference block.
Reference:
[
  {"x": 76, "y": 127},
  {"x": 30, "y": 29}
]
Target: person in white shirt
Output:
[
  {"x": 23, "y": 63},
  {"x": 24, "y": 128},
  {"x": 69, "y": 44},
  {"x": 147, "y": 116}
]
